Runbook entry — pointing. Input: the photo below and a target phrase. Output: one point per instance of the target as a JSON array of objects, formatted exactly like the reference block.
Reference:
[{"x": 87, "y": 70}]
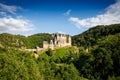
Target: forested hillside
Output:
[
  {"x": 100, "y": 62},
  {"x": 10, "y": 40},
  {"x": 94, "y": 35}
]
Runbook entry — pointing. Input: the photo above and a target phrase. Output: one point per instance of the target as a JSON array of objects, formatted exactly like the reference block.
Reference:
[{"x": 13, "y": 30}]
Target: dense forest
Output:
[
  {"x": 20, "y": 41},
  {"x": 94, "y": 35},
  {"x": 95, "y": 55}
]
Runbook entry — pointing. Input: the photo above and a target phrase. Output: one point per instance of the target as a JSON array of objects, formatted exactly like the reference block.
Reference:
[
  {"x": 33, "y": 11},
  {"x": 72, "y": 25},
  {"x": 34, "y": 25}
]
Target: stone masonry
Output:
[{"x": 58, "y": 40}]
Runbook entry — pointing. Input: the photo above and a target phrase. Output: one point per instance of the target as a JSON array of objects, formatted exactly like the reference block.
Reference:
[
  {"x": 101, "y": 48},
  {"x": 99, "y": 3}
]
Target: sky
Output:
[{"x": 72, "y": 17}]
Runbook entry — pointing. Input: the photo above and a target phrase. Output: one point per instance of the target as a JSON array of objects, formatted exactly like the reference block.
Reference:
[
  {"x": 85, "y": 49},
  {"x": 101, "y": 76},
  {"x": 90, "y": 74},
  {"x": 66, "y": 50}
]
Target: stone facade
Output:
[
  {"x": 58, "y": 40},
  {"x": 45, "y": 45}
]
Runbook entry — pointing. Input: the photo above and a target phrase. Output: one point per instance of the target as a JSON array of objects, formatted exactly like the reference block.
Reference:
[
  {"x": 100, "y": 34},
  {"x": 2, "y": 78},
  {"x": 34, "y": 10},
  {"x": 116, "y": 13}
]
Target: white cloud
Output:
[
  {"x": 67, "y": 13},
  {"x": 111, "y": 16},
  {"x": 9, "y": 8},
  {"x": 9, "y": 24}
]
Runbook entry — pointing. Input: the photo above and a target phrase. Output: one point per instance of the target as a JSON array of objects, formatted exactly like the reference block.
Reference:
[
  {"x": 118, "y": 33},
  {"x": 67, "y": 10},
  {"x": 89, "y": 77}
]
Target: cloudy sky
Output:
[{"x": 67, "y": 16}]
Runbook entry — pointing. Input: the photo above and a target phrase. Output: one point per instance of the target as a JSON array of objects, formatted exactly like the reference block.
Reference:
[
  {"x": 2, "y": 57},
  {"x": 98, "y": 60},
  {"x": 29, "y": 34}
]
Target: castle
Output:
[{"x": 58, "y": 40}]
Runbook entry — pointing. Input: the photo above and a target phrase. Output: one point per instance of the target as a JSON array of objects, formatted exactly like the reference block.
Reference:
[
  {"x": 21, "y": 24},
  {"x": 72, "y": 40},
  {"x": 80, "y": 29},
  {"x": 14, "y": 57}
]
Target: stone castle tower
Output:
[{"x": 58, "y": 40}]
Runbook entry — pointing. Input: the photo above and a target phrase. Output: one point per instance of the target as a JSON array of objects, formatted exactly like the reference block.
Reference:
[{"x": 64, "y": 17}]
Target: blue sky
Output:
[{"x": 72, "y": 17}]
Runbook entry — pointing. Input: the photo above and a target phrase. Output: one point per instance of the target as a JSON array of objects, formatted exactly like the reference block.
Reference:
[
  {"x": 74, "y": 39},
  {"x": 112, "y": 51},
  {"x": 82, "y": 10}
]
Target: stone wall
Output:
[{"x": 61, "y": 40}]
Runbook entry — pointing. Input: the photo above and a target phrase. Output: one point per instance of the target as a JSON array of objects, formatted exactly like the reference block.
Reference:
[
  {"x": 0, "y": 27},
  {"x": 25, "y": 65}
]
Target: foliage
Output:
[
  {"x": 92, "y": 36},
  {"x": 103, "y": 60},
  {"x": 53, "y": 67},
  {"x": 15, "y": 65},
  {"x": 10, "y": 40},
  {"x": 37, "y": 39}
]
